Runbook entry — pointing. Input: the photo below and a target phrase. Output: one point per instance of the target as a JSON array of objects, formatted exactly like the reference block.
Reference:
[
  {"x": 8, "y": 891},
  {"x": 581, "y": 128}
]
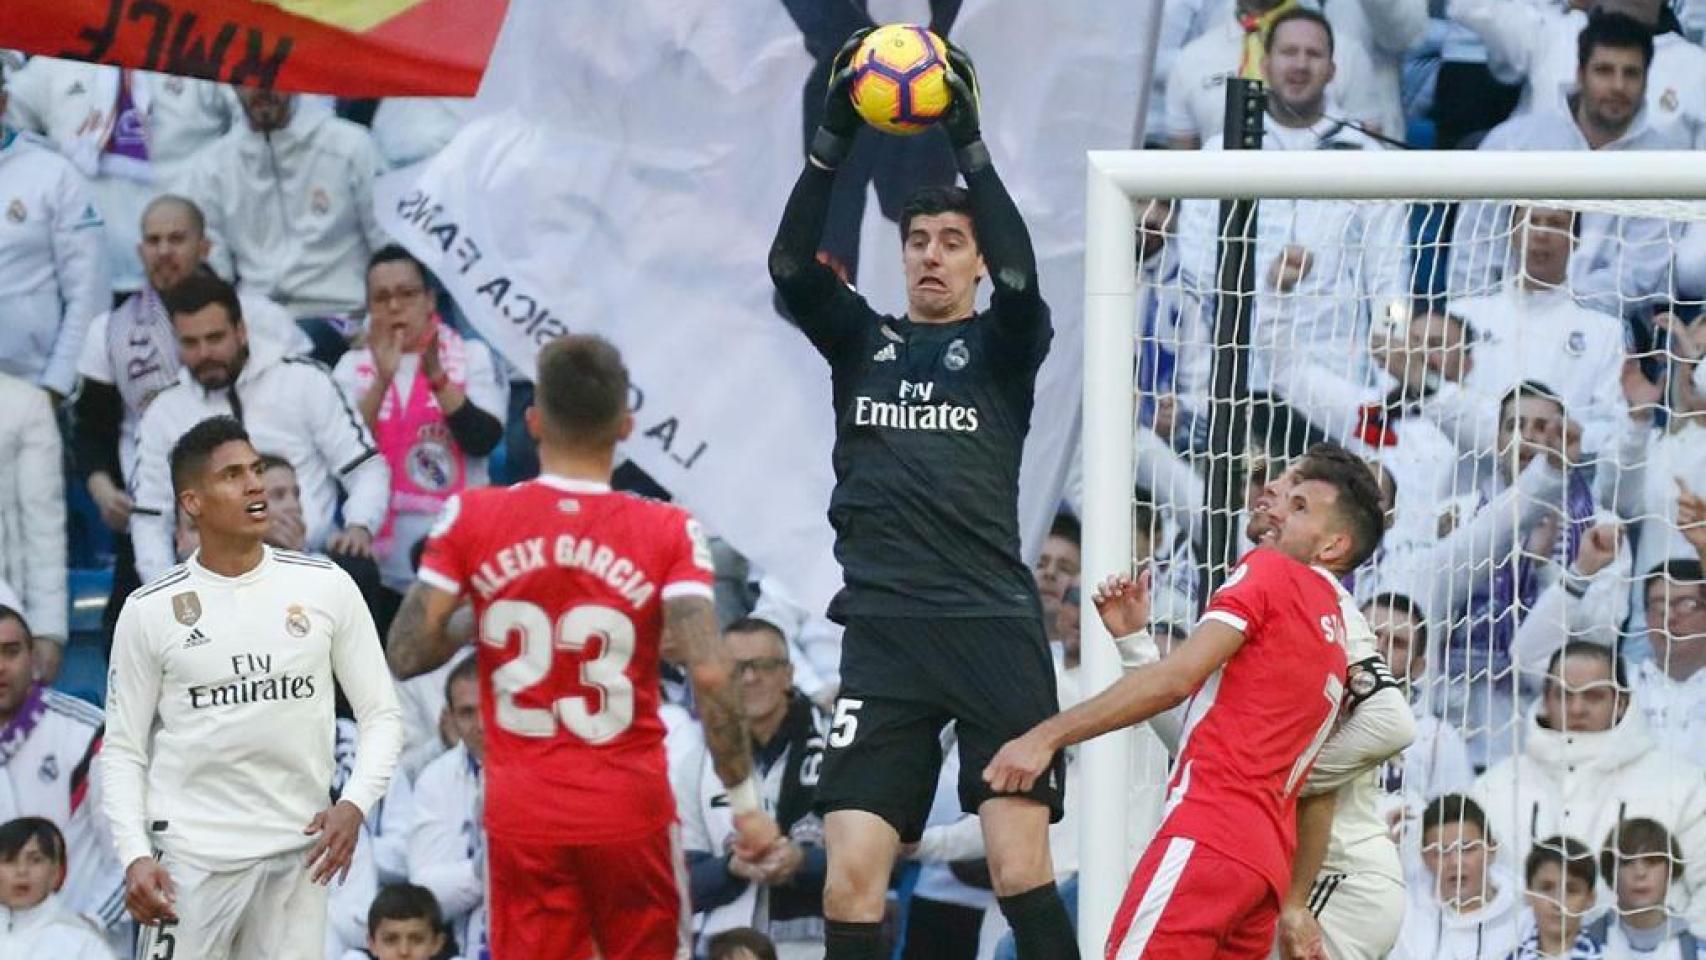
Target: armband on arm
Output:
[{"x": 1365, "y": 678}]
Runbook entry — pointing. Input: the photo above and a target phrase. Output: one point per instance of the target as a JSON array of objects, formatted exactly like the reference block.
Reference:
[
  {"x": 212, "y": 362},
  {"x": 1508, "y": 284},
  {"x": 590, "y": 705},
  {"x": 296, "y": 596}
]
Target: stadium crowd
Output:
[{"x": 1526, "y": 383}]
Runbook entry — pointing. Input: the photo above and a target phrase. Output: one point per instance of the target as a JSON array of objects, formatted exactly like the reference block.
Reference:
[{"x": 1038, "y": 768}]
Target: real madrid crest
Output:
[
  {"x": 15, "y": 211},
  {"x": 320, "y": 201},
  {"x": 1669, "y": 101},
  {"x": 296, "y": 622},
  {"x": 186, "y": 607},
  {"x": 957, "y": 356},
  {"x": 1577, "y": 344}
]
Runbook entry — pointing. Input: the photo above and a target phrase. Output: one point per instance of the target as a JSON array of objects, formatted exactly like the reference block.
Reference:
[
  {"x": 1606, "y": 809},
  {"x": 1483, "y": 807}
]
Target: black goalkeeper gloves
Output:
[
  {"x": 961, "y": 119},
  {"x": 841, "y": 121}
]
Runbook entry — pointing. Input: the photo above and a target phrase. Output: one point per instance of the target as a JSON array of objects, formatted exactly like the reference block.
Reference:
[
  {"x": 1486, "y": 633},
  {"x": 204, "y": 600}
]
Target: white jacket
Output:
[
  {"x": 446, "y": 842},
  {"x": 411, "y": 129},
  {"x": 291, "y": 213},
  {"x": 1581, "y": 784},
  {"x": 53, "y": 272},
  {"x": 55, "y": 773},
  {"x": 1537, "y": 42},
  {"x": 73, "y": 105},
  {"x": 1617, "y": 260},
  {"x": 1432, "y": 932},
  {"x": 1385, "y": 30},
  {"x": 292, "y": 409},
  {"x": 50, "y": 929},
  {"x": 32, "y": 506}
]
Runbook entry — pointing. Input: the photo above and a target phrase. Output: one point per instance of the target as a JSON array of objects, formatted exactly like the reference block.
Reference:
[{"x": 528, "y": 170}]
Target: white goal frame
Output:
[{"x": 1115, "y": 179}]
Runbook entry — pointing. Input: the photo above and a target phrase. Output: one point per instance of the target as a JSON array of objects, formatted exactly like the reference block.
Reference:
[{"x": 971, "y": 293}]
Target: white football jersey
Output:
[
  {"x": 1359, "y": 841},
  {"x": 220, "y": 721}
]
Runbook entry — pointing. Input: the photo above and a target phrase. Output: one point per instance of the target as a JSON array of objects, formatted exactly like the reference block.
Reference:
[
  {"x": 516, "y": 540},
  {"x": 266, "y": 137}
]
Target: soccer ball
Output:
[{"x": 900, "y": 79}]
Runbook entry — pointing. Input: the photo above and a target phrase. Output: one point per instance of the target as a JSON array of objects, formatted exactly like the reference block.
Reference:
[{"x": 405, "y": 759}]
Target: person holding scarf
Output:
[
  {"x": 781, "y": 894},
  {"x": 432, "y": 399}
]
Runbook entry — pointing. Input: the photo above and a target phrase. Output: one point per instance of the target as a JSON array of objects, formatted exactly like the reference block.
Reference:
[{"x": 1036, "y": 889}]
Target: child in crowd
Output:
[
  {"x": 1640, "y": 861},
  {"x": 1561, "y": 876},
  {"x": 1469, "y": 909},
  {"x": 33, "y": 921},
  {"x": 741, "y": 943},
  {"x": 404, "y": 923}
]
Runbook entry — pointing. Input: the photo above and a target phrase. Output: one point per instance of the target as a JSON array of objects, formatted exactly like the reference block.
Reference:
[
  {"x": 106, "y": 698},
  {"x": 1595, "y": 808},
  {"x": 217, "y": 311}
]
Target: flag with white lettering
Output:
[
  {"x": 352, "y": 48},
  {"x": 626, "y": 176}
]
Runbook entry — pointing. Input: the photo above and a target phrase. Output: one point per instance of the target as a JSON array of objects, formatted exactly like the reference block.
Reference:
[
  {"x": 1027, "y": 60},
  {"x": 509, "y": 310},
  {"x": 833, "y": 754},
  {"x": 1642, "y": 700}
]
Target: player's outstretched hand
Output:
[
  {"x": 756, "y": 834},
  {"x": 1018, "y": 764},
  {"x": 1122, "y": 601},
  {"x": 839, "y": 116},
  {"x": 149, "y": 892},
  {"x": 962, "y": 119},
  {"x": 1300, "y": 935},
  {"x": 338, "y": 826}
]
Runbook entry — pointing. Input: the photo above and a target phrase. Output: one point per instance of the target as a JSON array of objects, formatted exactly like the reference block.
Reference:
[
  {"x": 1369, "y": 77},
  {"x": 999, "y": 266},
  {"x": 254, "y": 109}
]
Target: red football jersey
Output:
[
  {"x": 1252, "y": 732},
  {"x": 568, "y": 581}
]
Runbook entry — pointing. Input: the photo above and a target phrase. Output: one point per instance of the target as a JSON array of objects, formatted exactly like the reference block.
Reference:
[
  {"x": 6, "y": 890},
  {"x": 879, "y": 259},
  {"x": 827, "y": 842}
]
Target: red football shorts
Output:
[
  {"x": 1187, "y": 902},
  {"x": 619, "y": 901}
]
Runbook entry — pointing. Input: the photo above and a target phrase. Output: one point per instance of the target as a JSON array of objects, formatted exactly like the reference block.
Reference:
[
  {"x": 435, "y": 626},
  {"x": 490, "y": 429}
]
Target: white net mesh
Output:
[{"x": 1526, "y": 377}]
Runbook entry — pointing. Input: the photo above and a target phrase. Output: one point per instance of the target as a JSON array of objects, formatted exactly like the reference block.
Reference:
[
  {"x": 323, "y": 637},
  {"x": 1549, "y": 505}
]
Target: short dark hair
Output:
[
  {"x": 396, "y": 253},
  {"x": 1572, "y": 856},
  {"x": 1403, "y": 604},
  {"x": 15, "y": 835},
  {"x": 1616, "y": 30},
  {"x": 1676, "y": 570},
  {"x": 404, "y": 901},
  {"x": 1300, "y": 13},
  {"x": 929, "y": 201},
  {"x": 188, "y": 206},
  {"x": 759, "y": 625},
  {"x": 1593, "y": 651},
  {"x": 1358, "y": 497},
  {"x": 7, "y": 613},
  {"x": 192, "y": 451},
  {"x": 1529, "y": 390},
  {"x": 582, "y": 389},
  {"x": 1067, "y": 527},
  {"x": 1452, "y": 808},
  {"x": 201, "y": 288},
  {"x": 725, "y": 945},
  {"x": 1639, "y": 837},
  {"x": 467, "y": 668}
]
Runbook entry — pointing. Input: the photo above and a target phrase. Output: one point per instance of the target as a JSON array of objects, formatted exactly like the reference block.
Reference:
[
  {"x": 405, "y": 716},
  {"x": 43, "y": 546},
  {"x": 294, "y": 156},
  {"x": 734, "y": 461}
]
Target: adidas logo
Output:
[
  {"x": 197, "y": 638},
  {"x": 884, "y": 355}
]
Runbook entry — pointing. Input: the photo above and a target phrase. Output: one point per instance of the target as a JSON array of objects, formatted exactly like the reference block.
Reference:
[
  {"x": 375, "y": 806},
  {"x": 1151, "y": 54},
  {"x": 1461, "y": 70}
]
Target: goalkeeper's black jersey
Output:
[{"x": 930, "y": 430}]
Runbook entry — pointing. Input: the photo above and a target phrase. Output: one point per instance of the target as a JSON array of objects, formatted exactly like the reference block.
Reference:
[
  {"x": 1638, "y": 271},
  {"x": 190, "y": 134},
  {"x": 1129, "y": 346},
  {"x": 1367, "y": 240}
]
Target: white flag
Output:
[{"x": 627, "y": 176}]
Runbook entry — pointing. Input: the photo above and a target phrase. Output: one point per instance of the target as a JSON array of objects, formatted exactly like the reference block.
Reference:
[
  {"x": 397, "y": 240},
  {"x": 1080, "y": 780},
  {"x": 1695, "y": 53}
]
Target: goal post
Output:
[{"x": 1113, "y": 806}]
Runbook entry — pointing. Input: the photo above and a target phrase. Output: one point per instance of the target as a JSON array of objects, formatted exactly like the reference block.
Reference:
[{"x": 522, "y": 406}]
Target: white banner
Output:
[{"x": 627, "y": 177}]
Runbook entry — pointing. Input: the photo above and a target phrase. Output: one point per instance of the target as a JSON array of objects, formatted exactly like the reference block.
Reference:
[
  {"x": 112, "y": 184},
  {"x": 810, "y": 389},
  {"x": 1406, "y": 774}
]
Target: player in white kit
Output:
[{"x": 220, "y": 726}]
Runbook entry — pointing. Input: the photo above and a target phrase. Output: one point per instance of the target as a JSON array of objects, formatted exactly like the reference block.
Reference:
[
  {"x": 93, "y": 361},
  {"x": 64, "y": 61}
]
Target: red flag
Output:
[{"x": 352, "y": 48}]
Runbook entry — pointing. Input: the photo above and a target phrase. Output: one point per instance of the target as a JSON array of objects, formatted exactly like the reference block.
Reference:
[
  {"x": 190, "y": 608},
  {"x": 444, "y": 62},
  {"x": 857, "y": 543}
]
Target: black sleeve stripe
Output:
[
  {"x": 358, "y": 461},
  {"x": 148, "y": 511},
  {"x": 296, "y": 556},
  {"x": 81, "y": 772},
  {"x": 307, "y": 563},
  {"x": 176, "y": 575}
]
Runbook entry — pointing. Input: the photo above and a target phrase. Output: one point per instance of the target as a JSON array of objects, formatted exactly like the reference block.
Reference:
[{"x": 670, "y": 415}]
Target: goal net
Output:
[{"x": 1513, "y": 343}]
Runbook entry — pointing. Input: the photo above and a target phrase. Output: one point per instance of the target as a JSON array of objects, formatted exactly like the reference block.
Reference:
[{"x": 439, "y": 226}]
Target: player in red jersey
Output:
[
  {"x": 1265, "y": 668},
  {"x": 577, "y": 592}
]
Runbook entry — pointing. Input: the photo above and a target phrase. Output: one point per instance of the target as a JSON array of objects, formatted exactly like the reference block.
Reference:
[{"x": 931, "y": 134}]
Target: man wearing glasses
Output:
[
  {"x": 432, "y": 399},
  {"x": 782, "y": 893},
  {"x": 1671, "y": 688}
]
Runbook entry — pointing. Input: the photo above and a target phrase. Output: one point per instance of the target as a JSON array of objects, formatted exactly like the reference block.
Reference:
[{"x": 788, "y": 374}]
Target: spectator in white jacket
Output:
[
  {"x": 1670, "y": 687},
  {"x": 32, "y": 514},
  {"x": 288, "y": 196},
  {"x": 1587, "y": 762},
  {"x": 410, "y": 130},
  {"x": 49, "y": 767},
  {"x": 128, "y": 132},
  {"x": 34, "y": 922},
  {"x": 447, "y": 839},
  {"x": 1619, "y": 262},
  {"x": 53, "y": 262},
  {"x": 1532, "y": 328},
  {"x": 1536, "y": 43},
  {"x": 1196, "y": 87},
  {"x": 1469, "y": 908},
  {"x": 292, "y": 409},
  {"x": 1386, "y": 31},
  {"x": 1324, "y": 268}
]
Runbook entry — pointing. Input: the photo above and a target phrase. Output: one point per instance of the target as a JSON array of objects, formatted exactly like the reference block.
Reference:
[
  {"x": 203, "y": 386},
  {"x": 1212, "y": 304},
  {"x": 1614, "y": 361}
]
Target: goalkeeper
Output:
[{"x": 942, "y": 617}]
